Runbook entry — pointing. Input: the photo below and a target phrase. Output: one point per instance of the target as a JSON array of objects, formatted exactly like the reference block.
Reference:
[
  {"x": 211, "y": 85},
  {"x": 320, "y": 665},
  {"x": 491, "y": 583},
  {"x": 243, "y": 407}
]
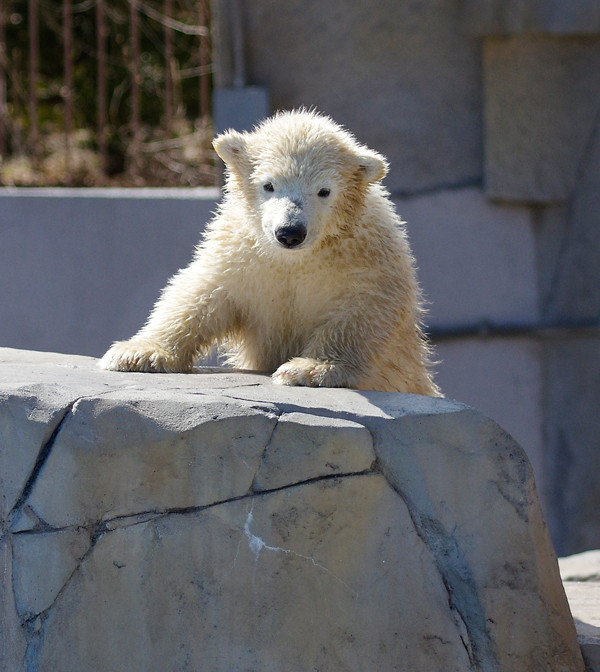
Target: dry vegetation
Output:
[
  {"x": 137, "y": 74},
  {"x": 182, "y": 158}
]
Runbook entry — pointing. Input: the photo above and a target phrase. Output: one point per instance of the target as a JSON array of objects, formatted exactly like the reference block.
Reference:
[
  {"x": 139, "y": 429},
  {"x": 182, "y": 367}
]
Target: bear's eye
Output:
[
  {"x": 323, "y": 193},
  {"x": 268, "y": 186}
]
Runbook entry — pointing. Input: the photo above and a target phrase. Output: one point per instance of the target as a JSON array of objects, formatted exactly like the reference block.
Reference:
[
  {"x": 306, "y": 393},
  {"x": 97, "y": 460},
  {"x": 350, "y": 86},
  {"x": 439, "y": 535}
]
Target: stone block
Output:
[
  {"x": 572, "y": 263},
  {"x": 182, "y": 529},
  {"x": 581, "y": 567},
  {"x": 492, "y": 245},
  {"x": 403, "y": 77},
  {"x": 541, "y": 99},
  {"x": 277, "y": 583},
  {"x": 572, "y": 428},
  {"x": 43, "y": 564},
  {"x": 134, "y": 456},
  {"x": 303, "y": 447},
  {"x": 508, "y": 17},
  {"x": 28, "y": 417}
]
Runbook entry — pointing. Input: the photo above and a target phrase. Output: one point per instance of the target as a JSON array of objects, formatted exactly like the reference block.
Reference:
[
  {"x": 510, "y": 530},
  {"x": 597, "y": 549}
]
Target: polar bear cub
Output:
[{"x": 304, "y": 272}]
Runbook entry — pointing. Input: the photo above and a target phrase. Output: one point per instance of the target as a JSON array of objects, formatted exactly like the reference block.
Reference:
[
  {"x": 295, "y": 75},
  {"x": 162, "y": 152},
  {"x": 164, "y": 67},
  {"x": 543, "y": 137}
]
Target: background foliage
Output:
[{"x": 167, "y": 143}]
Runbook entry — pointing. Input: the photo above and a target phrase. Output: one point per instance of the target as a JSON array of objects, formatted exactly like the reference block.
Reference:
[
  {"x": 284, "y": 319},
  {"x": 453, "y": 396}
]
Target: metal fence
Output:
[{"x": 99, "y": 91}]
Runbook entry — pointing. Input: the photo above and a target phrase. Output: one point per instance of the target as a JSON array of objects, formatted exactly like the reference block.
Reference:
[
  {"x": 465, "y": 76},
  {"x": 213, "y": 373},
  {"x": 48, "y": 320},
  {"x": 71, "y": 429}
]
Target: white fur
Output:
[{"x": 342, "y": 308}]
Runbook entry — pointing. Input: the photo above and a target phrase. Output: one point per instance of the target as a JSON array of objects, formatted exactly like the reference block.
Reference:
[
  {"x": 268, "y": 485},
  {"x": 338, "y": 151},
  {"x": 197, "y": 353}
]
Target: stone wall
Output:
[
  {"x": 389, "y": 71},
  {"x": 217, "y": 522},
  {"x": 542, "y": 144}
]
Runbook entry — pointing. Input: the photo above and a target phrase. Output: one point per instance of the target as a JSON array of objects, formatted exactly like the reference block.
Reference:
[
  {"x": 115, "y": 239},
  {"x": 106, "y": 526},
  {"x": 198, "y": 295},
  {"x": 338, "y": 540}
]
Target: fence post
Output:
[
  {"x": 67, "y": 89},
  {"x": 204, "y": 61},
  {"x": 3, "y": 110},
  {"x": 134, "y": 30},
  {"x": 168, "y": 10},
  {"x": 33, "y": 77},
  {"x": 101, "y": 83}
]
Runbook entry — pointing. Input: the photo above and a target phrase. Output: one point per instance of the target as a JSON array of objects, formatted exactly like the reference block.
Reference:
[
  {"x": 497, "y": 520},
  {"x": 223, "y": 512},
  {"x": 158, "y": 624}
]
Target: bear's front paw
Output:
[
  {"x": 142, "y": 355},
  {"x": 304, "y": 371}
]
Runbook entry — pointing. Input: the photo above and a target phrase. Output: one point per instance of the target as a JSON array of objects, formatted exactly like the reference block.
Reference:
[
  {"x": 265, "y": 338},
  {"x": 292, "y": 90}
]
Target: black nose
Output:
[{"x": 291, "y": 236}]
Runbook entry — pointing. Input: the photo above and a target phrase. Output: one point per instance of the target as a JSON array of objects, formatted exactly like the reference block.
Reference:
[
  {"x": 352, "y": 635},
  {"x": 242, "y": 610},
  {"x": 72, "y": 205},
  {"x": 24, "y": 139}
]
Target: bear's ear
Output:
[
  {"x": 372, "y": 166},
  {"x": 231, "y": 147}
]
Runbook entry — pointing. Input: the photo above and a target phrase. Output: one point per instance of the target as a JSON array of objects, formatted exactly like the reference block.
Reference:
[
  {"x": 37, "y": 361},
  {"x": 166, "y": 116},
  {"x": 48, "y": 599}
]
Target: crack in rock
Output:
[
  {"x": 95, "y": 532},
  {"x": 33, "y": 623},
  {"x": 520, "y": 506},
  {"x": 264, "y": 454},
  {"x": 140, "y": 517},
  {"x": 42, "y": 458},
  {"x": 257, "y": 544},
  {"x": 458, "y": 580},
  {"x": 40, "y": 461}
]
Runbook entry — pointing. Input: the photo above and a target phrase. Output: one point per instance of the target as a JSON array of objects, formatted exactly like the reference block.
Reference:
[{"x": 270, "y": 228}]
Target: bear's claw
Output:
[
  {"x": 143, "y": 356},
  {"x": 302, "y": 371}
]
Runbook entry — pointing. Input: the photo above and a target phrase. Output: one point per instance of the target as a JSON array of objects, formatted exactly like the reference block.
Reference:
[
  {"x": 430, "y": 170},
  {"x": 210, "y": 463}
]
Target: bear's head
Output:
[{"x": 301, "y": 176}]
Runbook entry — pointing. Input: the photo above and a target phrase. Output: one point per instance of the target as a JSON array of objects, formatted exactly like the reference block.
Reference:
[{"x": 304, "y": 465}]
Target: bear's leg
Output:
[
  {"x": 144, "y": 355},
  {"x": 335, "y": 356},
  {"x": 186, "y": 321},
  {"x": 362, "y": 354}
]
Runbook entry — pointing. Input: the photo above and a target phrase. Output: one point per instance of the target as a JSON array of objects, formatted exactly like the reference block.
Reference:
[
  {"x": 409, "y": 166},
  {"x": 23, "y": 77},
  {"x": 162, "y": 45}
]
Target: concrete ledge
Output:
[
  {"x": 218, "y": 522},
  {"x": 584, "y": 600},
  {"x": 581, "y": 576},
  {"x": 85, "y": 266},
  {"x": 92, "y": 193}
]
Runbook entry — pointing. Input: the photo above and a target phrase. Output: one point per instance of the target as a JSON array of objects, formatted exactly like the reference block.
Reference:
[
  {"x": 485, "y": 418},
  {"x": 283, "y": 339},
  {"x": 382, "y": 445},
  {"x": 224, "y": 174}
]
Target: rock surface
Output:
[
  {"x": 216, "y": 522},
  {"x": 581, "y": 567},
  {"x": 581, "y": 576},
  {"x": 584, "y": 599}
]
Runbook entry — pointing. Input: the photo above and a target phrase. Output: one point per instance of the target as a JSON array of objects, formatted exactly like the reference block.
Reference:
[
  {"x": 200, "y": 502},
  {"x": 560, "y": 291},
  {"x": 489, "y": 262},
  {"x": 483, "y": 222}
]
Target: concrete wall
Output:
[
  {"x": 391, "y": 71},
  {"x": 80, "y": 268},
  {"x": 489, "y": 111}
]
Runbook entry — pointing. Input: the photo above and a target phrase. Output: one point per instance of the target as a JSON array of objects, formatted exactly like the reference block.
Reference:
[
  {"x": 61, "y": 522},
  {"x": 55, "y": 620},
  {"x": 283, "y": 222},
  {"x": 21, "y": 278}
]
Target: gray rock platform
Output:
[
  {"x": 581, "y": 576},
  {"x": 216, "y": 522}
]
